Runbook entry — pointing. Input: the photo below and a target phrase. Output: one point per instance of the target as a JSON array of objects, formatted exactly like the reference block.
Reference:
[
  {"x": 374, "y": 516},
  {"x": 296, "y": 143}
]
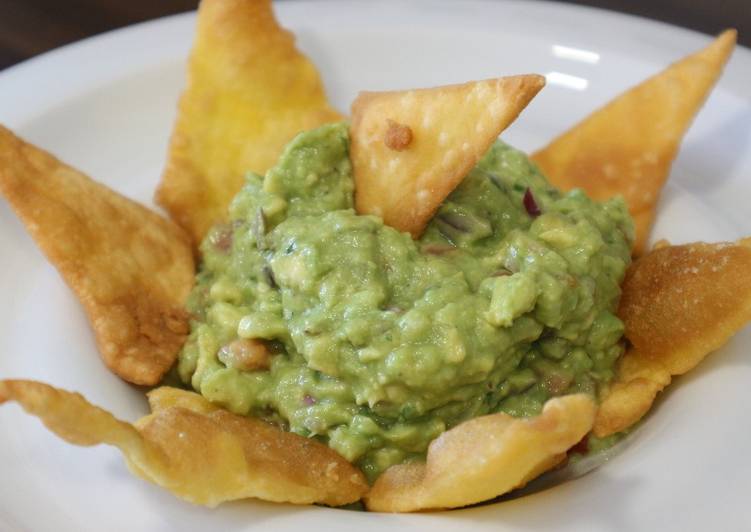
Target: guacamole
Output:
[{"x": 343, "y": 329}]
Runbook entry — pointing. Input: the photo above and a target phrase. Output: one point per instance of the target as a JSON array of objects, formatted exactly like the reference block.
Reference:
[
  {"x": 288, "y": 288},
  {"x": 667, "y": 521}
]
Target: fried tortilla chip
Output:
[
  {"x": 131, "y": 269},
  {"x": 249, "y": 91},
  {"x": 679, "y": 304},
  {"x": 484, "y": 457},
  {"x": 197, "y": 451},
  {"x": 627, "y": 146},
  {"x": 410, "y": 149}
]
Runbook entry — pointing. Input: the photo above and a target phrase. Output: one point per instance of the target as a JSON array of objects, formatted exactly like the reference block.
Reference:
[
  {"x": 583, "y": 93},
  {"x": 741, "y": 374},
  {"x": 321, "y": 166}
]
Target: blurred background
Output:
[{"x": 30, "y": 27}]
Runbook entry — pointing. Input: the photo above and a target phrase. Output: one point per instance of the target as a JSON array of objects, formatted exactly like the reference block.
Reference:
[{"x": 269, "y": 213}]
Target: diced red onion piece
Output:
[
  {"x": 309, "y": 400},
  {"x": 530, "y": 204}
]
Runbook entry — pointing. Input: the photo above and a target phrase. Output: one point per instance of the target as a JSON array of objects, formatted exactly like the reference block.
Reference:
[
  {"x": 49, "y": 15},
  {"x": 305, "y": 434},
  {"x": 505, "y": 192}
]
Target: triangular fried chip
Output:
[
  {"x": 410, "y": 149},
  {"x": 131, "y": 269},
  {"x": 679, "y": 304},
  {"x": 627, "y": 146},
  {"x": 249, "y": 91},
  {"x": 484, "y": 457},
  {"x": 198, "y": 451}
]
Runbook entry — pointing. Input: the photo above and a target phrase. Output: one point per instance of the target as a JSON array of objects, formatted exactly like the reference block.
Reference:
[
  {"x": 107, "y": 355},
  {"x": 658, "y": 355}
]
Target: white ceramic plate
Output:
[{"x": 106, "y": 106}]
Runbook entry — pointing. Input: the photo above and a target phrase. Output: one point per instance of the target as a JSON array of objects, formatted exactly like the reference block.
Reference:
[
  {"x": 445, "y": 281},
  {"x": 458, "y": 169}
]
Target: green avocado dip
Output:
[{"x": 342, "y": 329}]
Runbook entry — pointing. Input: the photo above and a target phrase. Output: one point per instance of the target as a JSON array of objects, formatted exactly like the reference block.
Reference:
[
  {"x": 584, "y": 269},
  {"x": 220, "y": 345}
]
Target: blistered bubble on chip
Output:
[
  {"x": 410, "y": 149},
  {"x": 197, "y": 451},
  {"x": 484, "y": 457},
  {"x": 627, "y": 146},
  {"x": 679, "y": 304},
  {"x": 249, "y": 92},
  {"x": 131, "y": 268}
]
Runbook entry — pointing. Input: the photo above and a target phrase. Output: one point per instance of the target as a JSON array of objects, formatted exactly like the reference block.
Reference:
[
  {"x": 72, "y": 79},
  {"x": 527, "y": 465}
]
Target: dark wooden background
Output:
[{"x": 30, "y": 27}]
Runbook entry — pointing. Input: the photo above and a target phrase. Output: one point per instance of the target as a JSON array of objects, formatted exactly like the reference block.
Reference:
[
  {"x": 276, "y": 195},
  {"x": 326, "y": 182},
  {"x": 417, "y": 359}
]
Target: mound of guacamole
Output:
[{"x": 342, "y": 329}]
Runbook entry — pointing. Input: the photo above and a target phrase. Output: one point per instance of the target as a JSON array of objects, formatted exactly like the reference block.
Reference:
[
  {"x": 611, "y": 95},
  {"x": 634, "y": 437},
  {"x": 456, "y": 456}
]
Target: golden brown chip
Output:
[
  {"x": 130, "y": 268},
  {"x": 483, "y": 458},
  {"x": 410, "y": 149},
  {"x": 627, "y": 146},
  {"x": 630, "y": 396},
  {"x": 679, "y": 304},
  {"x": 249, "y": 92},
  {"x": 197, "y": 451}
]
